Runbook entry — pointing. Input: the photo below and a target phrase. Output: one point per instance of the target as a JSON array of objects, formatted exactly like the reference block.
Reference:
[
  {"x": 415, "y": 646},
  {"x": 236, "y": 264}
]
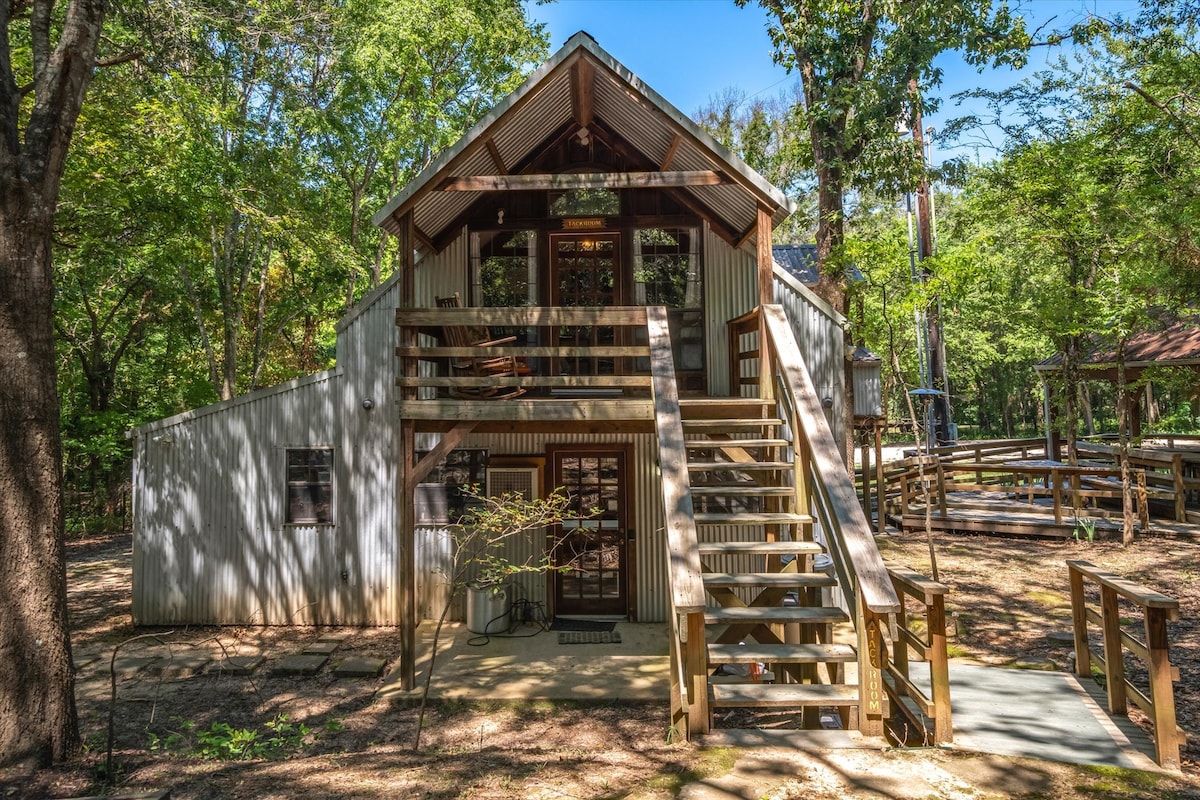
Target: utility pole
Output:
[{"x": 935, "y": 355}]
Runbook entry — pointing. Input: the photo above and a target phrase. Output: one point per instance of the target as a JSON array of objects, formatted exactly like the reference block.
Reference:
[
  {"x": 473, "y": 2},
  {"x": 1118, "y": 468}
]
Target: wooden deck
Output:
[{"x": 1009, "y": 487}]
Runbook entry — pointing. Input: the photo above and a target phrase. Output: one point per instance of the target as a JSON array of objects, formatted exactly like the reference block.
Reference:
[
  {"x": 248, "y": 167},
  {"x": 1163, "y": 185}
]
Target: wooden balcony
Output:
[{"x": 589, "y": 370}]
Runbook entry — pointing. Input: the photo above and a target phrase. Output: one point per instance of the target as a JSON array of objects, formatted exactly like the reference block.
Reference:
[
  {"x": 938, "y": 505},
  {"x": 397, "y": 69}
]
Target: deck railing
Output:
[
  {"x": 689, "y": 654},
  {"x": 573, "y": 358},
  {"x": 824, "y": 486},
  {"x": 1068, "y": 488},
  {"x": 922, "y": 632},
  {"x": 1154, "y": 651}
]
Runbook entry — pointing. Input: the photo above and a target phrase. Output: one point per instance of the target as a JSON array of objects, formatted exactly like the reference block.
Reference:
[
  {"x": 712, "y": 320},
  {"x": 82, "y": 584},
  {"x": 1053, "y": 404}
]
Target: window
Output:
[
  {"x": 666, "y": 272},
  {"x": 310, "y": 486},
  {"x": 585, "y": 203},
  {"x": 439, "y": 498}
]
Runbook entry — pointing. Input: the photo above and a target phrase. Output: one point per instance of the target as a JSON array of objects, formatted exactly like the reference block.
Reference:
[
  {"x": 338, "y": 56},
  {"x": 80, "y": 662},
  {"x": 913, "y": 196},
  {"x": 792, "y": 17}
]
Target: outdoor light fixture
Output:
[
  {"x": 827, "y": 402},
  {"x": 500, "y": 217},
  {"x": 368, "y": 404},
  {"x": 584, "y": 135}
]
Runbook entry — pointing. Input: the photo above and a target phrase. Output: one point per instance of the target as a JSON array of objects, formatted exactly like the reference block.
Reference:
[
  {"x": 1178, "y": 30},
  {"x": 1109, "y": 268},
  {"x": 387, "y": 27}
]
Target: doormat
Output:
[
  {"x": 562, "y": 624},
  {"x": 589, "y": 637}
]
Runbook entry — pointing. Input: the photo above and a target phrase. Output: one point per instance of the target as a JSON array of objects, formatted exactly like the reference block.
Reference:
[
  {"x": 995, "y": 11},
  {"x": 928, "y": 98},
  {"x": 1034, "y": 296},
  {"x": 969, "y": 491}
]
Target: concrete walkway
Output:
[{"x": 1046, "y": 715}]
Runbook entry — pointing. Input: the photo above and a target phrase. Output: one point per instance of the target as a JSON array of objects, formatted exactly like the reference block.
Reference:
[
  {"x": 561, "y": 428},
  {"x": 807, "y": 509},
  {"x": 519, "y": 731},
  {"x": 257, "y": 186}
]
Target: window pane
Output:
[{"x": 309, "y": 486}]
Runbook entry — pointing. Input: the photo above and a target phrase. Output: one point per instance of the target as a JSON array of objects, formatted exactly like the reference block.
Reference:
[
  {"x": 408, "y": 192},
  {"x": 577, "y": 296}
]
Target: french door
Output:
[
  {"x": 585, "y": 273},
  {"x": 593, "y": 549}
]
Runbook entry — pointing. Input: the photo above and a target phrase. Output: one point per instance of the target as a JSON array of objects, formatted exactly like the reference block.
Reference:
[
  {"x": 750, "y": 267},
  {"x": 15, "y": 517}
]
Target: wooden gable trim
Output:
[
  {"x": 494, "y": 152},
  {"x": 583, "y": 180},
  {"x": 582, "y": 92}
]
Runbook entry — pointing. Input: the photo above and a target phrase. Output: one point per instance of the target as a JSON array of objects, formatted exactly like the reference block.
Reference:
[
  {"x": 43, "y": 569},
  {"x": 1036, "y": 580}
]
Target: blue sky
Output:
[{"x": 683, "y": 47}]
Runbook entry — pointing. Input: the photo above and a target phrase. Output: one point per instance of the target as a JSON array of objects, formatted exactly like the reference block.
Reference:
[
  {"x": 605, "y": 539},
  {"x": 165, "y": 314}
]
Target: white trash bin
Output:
[{"x": 489, "y": 608}]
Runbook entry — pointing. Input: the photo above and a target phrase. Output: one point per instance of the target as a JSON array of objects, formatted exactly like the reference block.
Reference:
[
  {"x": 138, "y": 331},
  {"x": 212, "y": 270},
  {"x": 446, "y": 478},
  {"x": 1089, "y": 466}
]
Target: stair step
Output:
[
  {"x": 783, "y": 695},
  {"x": 692, "y": 425},
  {"x": 733, "y": 466},
  {"x": 742, "y": 490},
  {"x": 805, "y": 615},
  {"x": 780, "y": 653},
  {"x": 725, "y": 407},
  {"x": 756, "y": 518},
  {"x": 788, "y": 580},
  {"x": 760, "y": 548},
  {"x": 717, "y": 444}
]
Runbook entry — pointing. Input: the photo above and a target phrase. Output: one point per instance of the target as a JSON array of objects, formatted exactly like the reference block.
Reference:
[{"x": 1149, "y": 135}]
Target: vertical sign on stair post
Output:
[{"x": 870, "y": 677}]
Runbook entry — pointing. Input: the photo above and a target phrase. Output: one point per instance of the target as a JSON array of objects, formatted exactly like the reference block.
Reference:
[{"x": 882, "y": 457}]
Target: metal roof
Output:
[
  {"x": 522, "y": 122},
  {"x": 801, "y": 261},
  {"x": 1176, "y": 344}
]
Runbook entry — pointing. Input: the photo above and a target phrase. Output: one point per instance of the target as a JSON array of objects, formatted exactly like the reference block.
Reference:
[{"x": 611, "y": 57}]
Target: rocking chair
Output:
[{"x": 505, "y": 366}]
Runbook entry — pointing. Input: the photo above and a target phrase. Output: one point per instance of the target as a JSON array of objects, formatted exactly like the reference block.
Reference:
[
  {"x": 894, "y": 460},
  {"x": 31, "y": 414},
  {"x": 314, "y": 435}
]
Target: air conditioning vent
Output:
[{"x": 513, "y": 480}]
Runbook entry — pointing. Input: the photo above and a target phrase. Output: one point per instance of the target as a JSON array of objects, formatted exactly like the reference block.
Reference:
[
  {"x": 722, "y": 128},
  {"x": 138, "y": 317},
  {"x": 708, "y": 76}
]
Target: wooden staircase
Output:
[{"x": 772, "y": 603}]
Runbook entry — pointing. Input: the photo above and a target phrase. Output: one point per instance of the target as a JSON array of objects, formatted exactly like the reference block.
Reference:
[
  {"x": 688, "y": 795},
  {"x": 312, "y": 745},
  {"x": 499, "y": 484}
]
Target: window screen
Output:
[{"x": 310, "y": 486}]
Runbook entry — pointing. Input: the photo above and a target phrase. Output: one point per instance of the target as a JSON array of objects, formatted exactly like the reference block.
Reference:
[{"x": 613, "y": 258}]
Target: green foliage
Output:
[{"x": 275, "y": 739}]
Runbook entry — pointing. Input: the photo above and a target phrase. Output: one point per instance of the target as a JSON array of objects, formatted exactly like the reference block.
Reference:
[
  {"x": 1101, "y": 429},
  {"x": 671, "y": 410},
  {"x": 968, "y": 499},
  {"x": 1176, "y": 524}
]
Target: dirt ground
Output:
[{"x": 321, "y": 736}]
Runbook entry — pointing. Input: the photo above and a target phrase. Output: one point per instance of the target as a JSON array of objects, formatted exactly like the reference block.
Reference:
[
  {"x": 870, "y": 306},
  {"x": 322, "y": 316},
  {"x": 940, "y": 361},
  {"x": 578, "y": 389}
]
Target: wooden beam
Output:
[
  {"x": 582, "y": 92},
  {"x": 670, "y": 156},
  {"x": 583, "y": 180},
  {"x": 450, "y": 440},
  {"x": 494, "y": 152},
  {"x": 766, "y": 259},
  {"x": 406, "y": 525}
]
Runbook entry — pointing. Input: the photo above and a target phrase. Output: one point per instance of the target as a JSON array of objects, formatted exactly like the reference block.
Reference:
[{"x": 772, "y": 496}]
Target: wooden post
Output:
[
  {"x": 766, "y": 296},
  {"x": 871, "y": 656},
  {"x": 1083, "y": 657},
  {"x": 1180, "y": 489},
  {"x": 1056, "y": 490},
  {"x": 1114, "y": 661},
  {"x": 697, "y": 678},
  {"x": 939, "y": 668},
  {"x": 405, "y": 459},
  {"x": 1162, "y": 690},
  {"x": 880, "y": 487}
]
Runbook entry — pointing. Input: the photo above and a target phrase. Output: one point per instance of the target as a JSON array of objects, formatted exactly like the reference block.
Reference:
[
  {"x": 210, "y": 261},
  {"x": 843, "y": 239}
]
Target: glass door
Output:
[
  {"x": 593, "y": 548},
  {"x": 584, "y": 274}
]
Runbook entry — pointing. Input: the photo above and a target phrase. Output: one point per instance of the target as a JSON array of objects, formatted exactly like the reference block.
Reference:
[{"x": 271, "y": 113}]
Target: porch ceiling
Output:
[{"x": 580, "y": 84}]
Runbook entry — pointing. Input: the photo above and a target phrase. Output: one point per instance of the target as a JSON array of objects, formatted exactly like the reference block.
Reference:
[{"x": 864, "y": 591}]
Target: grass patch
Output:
[
  {"x": 1119, "y": 780},
  {"x": 957, "y": 651},
  {"x": 1050, "y": 599},
  {"x": 709, "y": 763}
]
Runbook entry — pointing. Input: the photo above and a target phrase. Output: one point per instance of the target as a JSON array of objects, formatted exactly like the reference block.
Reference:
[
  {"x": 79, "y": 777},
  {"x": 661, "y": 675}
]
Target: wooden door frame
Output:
[{"x": 627, "y": 495}]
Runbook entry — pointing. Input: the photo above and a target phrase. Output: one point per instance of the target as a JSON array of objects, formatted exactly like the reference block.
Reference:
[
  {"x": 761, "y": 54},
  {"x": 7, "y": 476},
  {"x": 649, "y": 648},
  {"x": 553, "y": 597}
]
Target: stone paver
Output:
[
  {"x": 131, "y": 665},
  {"x": 302, "y": 664},
  {"x": 241, "y": 665},
  {"x": 321, "y": 648},
  {"x": 333, "y": 636},
  {"x": 180, "y": 666},
  {"x": 359, "y": 667},
  {"x": 1064, "y": 638}
]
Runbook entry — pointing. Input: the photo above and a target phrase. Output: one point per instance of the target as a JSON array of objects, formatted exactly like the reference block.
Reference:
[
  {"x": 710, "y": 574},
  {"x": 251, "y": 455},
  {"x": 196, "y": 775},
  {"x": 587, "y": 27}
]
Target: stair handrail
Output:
[
  {"x": 689, "y": 659},
  {"x": 847, "y": 530},
  {"x": 1154, "y": 650}
]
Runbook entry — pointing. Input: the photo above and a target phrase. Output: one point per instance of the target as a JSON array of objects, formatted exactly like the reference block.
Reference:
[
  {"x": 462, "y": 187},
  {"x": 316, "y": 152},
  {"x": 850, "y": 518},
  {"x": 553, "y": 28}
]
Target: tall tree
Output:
[{"x": 42, "y": 87}]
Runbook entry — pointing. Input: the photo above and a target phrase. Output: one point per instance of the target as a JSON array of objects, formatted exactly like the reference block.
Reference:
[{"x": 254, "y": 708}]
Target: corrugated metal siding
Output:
[
  {"x": 210, "y": 544},
  {"x": 822, "y": 345},
  {"x": 645, "y": 500},
  {"x": 730, "y": 290}
]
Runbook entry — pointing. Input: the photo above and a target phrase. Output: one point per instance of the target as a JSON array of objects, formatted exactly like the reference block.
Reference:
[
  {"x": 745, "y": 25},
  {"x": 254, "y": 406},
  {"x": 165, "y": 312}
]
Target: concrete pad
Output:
[
  {"x": 321, "y": 648},
  {"x": 531, "y": 665},
  {"x": 359, "y": 667},
  {"x": 300, "y": 665},
  {"x": 1046, "y": 715},
  {"x": 241, "y": 665},
  {"x": 333, "y": 636}
]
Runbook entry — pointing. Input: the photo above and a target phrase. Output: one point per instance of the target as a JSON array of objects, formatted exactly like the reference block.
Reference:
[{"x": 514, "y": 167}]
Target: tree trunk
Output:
[{"x": 37, "y": 684}]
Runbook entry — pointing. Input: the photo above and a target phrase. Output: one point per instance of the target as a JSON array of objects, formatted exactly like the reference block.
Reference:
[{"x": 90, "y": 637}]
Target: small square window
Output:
[{"x": 310, "y": 486}]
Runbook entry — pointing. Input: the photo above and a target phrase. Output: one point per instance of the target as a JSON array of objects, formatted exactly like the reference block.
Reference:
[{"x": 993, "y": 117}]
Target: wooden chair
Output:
[{"x": 506, "y": 366}]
